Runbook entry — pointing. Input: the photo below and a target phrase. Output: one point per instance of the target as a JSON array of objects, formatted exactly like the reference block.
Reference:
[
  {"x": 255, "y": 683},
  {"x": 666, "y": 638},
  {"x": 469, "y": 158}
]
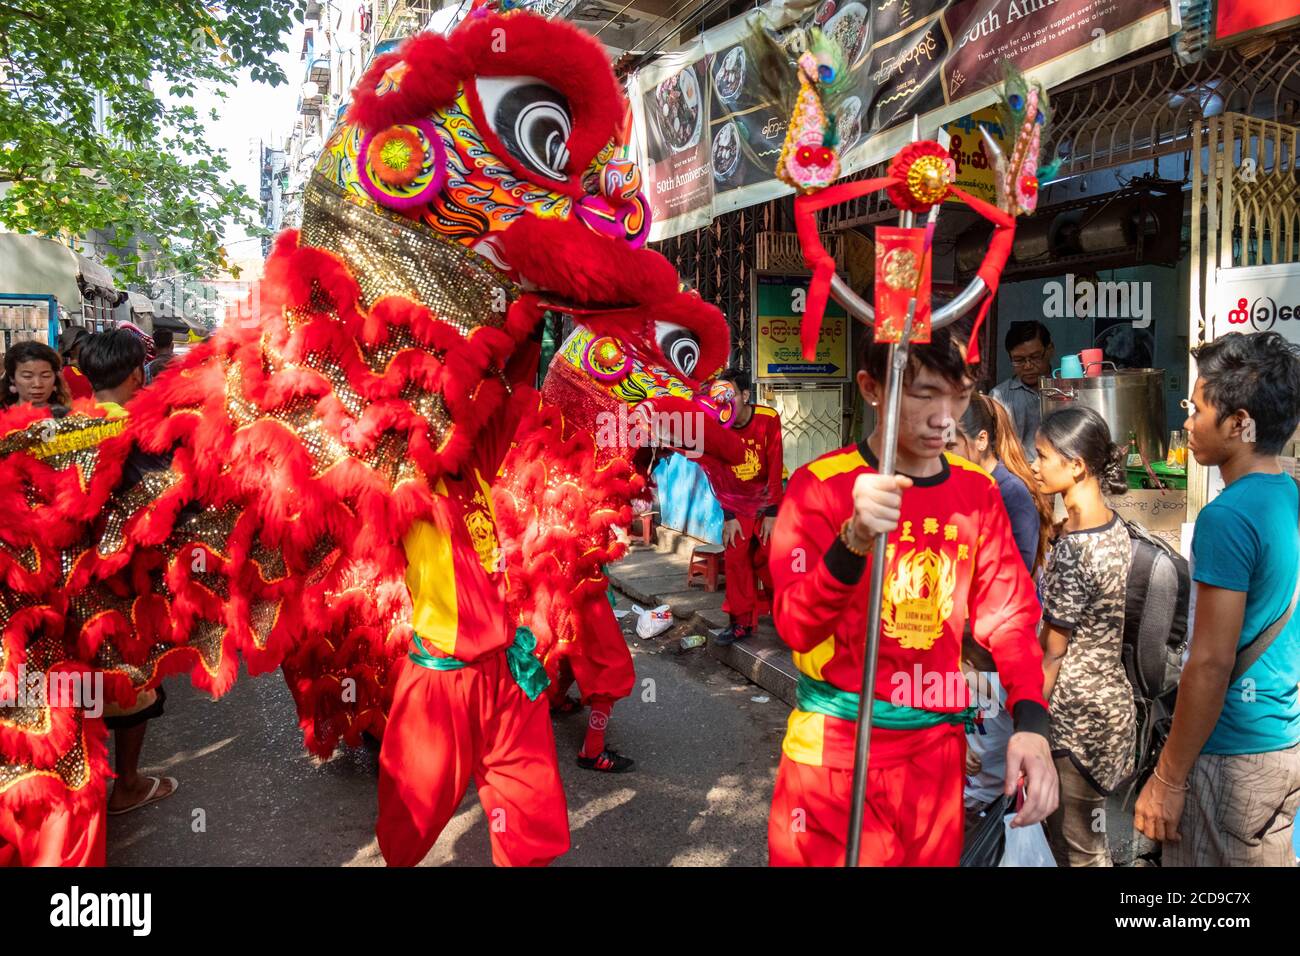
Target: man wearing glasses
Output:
[{"x": 1030, "y": 346}]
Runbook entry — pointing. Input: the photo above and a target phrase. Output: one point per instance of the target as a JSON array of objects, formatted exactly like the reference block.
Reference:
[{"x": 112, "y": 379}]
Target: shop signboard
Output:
[
  {"x": 1238, "y": 20},
  {"x": 1258, "y": 299},
  {"x": 966, "y": 146},
  {"x": 778, "y": 356},
  {"x": 710, "y": 130}
]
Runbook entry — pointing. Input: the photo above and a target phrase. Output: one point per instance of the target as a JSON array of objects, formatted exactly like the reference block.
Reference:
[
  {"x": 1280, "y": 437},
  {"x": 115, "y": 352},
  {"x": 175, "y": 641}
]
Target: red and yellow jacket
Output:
[
  {"x": 455, "y": 568},
  {"x": 753, "y": 486},
  {"x": 456, "y": 575},
  {"x": 951, "y": 558}
]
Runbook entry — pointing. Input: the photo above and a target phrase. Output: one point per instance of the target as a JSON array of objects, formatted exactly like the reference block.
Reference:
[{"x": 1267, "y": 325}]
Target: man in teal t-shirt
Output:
[
  {"x": 1246, "y": 541},
  {"x": 1227, "y": 785}
]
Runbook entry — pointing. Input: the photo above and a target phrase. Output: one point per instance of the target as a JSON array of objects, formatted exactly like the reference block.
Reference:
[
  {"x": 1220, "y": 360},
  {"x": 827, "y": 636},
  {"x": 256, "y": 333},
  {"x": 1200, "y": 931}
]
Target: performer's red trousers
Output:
[
  {"x": 746, "y": 562},
  {"x": 61, "y": 839},
  {"x": 597, "y": 658},
  {"x": 913, "y": 814},
  {"x": 448, "y": 726}
]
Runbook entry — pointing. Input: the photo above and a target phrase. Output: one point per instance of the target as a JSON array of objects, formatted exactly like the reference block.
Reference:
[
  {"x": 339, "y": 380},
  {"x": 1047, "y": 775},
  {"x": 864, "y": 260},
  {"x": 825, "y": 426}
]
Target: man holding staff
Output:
[{"x": 951, "y": 558}]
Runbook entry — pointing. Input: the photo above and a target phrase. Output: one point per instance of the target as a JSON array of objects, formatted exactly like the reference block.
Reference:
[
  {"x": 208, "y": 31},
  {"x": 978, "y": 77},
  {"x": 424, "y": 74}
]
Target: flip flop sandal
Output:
[{"x": 152, "y": 796}]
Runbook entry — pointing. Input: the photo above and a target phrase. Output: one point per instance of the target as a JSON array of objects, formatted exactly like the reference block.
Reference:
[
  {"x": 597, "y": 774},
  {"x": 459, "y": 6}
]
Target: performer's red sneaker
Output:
[
  {"x": 607, "y": 761},
  {"x": 736, "y": 632}
]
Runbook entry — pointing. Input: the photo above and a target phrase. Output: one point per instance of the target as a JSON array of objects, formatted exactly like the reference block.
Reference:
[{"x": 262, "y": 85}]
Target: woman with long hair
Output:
[
  {"x": 986, "y": 436},
  {"x": 31, "y": 377},
  {"x": 1082, "y": 590}
]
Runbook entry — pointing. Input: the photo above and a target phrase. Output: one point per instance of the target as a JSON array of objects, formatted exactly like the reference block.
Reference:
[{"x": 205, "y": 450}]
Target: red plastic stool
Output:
[
  {"x": 707, "y": 562},
  {"x": 643, "y": 527}
]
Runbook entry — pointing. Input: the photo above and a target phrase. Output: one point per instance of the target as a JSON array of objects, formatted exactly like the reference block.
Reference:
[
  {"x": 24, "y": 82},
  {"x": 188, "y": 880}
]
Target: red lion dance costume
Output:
[{"x": 328, "y": 506}]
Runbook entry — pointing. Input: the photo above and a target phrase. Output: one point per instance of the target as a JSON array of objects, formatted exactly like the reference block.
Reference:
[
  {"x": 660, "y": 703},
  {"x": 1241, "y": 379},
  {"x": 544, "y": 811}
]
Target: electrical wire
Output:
[
  {"x": 613, "y": 18},
  {"x": 670, "y": 20},
  {"x": 706, "y": 8}
]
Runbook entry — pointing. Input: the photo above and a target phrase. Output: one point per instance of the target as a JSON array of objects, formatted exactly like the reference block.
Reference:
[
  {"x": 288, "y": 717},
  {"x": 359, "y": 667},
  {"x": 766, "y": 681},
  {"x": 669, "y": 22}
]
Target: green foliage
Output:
[{"x": 146, "y": 172}]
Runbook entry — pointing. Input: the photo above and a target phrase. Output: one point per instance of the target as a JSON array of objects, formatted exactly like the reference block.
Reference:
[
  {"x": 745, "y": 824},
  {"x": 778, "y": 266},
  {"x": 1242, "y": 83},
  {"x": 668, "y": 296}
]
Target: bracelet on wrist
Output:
[
  {"x": 848, "y": 538},
  {"x": 1156, "y": 772}
]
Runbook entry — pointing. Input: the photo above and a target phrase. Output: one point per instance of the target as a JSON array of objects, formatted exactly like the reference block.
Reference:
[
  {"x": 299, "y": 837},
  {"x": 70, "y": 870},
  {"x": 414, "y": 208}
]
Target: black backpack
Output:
[
  {"x": 1155, "y": 614},
  {"x": 1155, "y": 639}
]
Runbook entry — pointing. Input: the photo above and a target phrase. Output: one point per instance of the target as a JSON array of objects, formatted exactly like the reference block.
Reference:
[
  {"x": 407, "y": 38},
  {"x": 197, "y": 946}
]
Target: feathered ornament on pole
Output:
[{"x": 918, "y": 180}]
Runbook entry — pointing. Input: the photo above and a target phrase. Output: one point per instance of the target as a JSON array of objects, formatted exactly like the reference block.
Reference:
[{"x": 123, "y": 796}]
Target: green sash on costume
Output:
[
  {"x": 528, "y": 671},
  {"x": 819, "y": 697},
  {"x": 525, "y": 668}
]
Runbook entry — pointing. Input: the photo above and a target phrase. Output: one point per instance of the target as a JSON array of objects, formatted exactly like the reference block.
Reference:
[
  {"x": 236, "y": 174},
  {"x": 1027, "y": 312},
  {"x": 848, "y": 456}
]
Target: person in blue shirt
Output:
[
  {"x": 1029, "y": 346},
  {"x": 1227, "y": 784}
]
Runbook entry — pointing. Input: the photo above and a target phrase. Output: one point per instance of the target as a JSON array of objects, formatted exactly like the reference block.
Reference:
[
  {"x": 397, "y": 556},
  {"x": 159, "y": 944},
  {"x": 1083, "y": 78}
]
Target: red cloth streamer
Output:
[
  {"x": 995, "y": 260},
  {"x": 815, "y": 255},
  {"x": 822, "y": 264}
]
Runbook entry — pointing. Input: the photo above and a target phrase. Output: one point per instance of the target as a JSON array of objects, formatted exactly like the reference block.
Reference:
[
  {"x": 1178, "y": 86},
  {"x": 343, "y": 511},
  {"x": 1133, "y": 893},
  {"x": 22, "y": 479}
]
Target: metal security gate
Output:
[
  {"x": 812, "y": 420},
  {"x": 1245, "y": 211}
]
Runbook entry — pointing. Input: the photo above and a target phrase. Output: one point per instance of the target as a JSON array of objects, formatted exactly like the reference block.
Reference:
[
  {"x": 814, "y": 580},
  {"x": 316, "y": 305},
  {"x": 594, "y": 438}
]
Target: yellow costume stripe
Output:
[
  {"x": 812, "y": 662},
  {"x": 838, "y": 464},
  {"x": 956, "y": 461},
  {"x": 431, "y": 580},
  {"x": 805, "y": 737},
  {"x": 88, "y": 437}
]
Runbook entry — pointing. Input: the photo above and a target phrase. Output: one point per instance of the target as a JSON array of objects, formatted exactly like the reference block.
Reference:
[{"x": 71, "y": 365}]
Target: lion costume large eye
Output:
[
  {"x": 679, "y": 345},
  {"x": 531, "y": 119}
]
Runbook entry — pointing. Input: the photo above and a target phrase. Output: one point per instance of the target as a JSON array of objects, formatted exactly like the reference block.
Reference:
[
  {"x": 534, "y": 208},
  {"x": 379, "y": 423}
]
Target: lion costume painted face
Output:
[{"x": 506, "y": 139}]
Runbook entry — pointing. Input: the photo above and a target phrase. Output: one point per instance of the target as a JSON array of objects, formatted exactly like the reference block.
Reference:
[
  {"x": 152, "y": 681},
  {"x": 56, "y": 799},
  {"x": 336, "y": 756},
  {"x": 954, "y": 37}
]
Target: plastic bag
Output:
[
  {"x": 984, "y": 844},
  {"x": 1026, "y": 846},
  {"x": 652, "y": 622}
]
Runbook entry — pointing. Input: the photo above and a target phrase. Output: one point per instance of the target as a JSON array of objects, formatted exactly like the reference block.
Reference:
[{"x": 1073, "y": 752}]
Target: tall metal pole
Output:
[
  {"x": 888, "y": 453},
  {"x": 897, "y": 368}
]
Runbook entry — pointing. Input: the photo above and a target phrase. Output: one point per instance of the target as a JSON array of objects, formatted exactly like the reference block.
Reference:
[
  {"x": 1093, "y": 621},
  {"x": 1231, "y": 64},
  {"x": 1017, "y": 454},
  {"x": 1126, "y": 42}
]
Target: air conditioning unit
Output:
[{"x": 1139, "y": 225}]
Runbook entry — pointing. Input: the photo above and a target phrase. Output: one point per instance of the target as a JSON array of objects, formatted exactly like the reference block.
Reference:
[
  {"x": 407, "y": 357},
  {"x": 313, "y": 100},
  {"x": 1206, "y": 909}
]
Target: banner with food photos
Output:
[
  {"x": 671, "y": 118},
  {"x": 940, "y": 59}
]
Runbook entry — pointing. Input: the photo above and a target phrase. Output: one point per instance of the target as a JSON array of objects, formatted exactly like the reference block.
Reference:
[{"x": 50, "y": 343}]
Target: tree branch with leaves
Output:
[{"x": 145, "y": 171}]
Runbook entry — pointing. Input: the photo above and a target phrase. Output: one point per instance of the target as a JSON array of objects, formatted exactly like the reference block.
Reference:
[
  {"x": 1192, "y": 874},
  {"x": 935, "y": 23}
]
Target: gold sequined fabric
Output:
[
  {"x": 389, "y": 254},
  {"x": 121, "y": 509},
  {"x": 69, "y": 442}
]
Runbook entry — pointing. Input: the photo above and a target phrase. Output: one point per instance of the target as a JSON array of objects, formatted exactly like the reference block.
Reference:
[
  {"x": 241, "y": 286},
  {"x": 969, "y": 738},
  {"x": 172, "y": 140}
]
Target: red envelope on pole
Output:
[{"x": 902, "y": 271}]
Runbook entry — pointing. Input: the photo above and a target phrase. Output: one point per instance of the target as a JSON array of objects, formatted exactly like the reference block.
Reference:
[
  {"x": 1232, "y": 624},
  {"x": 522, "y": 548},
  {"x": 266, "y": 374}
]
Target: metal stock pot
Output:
[{"x": 1130, "y": 400}]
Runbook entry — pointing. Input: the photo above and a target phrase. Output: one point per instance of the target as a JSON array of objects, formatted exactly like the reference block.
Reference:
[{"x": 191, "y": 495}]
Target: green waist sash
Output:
[
  {"x": 820, "y": 697},
  {"x": 525, "y": 668}
]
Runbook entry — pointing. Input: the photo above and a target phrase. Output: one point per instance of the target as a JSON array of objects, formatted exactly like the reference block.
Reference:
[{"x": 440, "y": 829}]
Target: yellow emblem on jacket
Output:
[
  {"x": 918, "y": 598},
  {"x": 748, "y": 469},
  {"x": 483, "y": 535}
]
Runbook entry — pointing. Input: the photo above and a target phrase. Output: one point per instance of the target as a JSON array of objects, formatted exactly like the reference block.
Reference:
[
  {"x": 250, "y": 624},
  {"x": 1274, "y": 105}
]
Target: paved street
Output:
[{"x": 706, "y": 760}]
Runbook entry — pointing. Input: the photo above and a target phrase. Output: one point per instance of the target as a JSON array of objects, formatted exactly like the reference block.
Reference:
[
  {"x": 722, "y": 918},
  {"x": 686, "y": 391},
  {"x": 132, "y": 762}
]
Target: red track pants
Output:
[
  {"x": 913, "y": 814},
  {"x": 446, "y": 726},
  {"x": 597, "y": 658},
  {"x": 746, "y": 561}
]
